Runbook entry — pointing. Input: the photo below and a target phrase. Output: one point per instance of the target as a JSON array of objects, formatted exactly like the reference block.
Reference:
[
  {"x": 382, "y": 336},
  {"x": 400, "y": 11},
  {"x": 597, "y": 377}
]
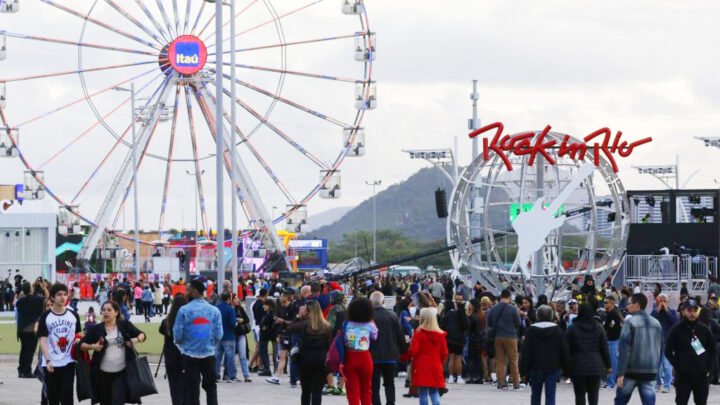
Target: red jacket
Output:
[{"x": 428, "y": 352}]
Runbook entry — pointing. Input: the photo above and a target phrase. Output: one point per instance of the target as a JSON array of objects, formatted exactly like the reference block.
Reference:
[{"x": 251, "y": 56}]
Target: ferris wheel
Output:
[{"x": 304, "y": 84}]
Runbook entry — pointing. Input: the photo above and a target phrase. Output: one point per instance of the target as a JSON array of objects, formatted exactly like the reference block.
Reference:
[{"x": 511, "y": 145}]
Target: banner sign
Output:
[{"x": 600, "y": 142}]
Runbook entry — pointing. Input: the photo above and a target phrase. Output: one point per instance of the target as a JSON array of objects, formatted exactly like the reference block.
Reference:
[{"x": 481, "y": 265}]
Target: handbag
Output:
[
  {"x": 336, "y": 355},
  {"x": 139, "y": 378},
  {"x": 83, "y": 387}
]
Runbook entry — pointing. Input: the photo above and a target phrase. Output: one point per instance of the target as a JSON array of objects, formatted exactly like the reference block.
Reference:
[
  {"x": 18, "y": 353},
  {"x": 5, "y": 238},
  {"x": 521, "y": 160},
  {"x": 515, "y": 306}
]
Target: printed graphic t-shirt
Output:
[
  {"x": 60, "y": 330},
  {"x": 359, "y": 335}
]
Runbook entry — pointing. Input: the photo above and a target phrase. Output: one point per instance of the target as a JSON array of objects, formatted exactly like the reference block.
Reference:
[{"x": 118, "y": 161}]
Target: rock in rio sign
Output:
[
  {"x": 187, "y": 54},
  {"x": 520, "y": 144}
]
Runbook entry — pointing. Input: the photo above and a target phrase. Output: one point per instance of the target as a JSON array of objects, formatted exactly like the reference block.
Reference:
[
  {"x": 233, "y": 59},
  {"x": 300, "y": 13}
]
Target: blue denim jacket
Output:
[
  {"x": 198, "y": 328},
  {"x": 641, "y": 341}
]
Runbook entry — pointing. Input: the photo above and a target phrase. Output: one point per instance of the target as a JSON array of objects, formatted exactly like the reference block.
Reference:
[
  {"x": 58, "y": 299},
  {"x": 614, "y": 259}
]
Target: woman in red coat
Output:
[{"x": 428, "y": 352}]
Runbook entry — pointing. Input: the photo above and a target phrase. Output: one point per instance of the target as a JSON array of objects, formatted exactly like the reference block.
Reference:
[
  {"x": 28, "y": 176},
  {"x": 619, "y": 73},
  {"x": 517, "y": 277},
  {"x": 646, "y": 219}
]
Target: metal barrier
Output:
[{"x": 669, "y": 271}]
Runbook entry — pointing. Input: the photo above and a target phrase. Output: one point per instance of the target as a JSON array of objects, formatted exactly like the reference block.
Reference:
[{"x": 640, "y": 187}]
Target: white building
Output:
[{"x": 27, "y": 240}]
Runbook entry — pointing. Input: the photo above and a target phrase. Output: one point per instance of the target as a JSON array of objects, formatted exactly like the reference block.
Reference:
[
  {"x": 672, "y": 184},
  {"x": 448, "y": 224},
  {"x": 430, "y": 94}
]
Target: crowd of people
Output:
[{"x": 342, "y": 338}]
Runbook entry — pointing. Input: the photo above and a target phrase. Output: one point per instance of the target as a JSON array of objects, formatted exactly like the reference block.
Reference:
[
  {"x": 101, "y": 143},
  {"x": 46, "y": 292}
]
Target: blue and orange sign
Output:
[{"x": 187, "y": 54}]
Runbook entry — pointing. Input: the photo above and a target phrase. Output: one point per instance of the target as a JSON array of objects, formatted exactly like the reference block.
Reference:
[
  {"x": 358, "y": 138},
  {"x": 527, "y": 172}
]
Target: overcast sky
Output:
[{"x": 647, "y": 68}]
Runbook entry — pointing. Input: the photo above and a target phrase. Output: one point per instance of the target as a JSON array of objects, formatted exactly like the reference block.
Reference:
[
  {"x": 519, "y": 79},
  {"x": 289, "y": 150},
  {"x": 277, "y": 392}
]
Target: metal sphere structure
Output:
[
  {"x": 540, "y": 226},
  {"x": 66, "y": 63}
]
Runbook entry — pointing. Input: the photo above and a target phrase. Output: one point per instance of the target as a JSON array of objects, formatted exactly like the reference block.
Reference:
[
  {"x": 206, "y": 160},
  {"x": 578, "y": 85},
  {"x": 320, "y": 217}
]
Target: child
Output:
[
  {"x": 89, "y": 318},
  {"x": 428, "y": 352}
]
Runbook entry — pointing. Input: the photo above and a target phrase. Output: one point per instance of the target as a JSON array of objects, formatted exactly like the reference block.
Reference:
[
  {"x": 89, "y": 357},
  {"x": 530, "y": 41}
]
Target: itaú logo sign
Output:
[{"x": 187, "y": 54}]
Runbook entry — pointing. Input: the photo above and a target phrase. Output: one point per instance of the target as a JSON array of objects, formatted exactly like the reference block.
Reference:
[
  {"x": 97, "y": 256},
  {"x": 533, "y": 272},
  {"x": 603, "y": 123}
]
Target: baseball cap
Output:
[
  {"x": 572, "y": 301},
  {"x": 691, "y": 303}
]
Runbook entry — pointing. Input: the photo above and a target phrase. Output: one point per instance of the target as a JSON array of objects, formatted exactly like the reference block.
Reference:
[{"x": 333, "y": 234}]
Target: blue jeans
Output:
[
  {"x": 645, "y": 388},
  {"x": 227, "y": 348},
  {"x": 241, "y": 349},
  {"x": 664, "y": 371},
  {"x": 433, "y": 393},
  {"x": 613, "y": 346},
  {"x": 549, "y": 379}
]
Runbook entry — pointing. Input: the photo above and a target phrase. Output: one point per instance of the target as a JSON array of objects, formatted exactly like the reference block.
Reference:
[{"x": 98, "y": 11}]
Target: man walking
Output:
[
  {"x": 198, "y": 329},
  {"x": 667, "y": 317},
  {"x": 226, "y": 346},
  {"x": 612, "y": 325},
  {"x": 504, "y": 321},
  {"x": 639, "y": 353},
  {"x": 690, "y": 348},
  {"x": 57, "y": 330},
  {"x": 385, "y": 350},
  {"x": 29, "y": 309}
]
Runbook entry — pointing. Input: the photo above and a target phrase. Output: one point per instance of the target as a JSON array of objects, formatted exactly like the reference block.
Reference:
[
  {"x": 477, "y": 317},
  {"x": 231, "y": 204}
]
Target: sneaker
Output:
[
  {"x": 459, "y": 380},
  {"x": 448, "y": 381},
  {"x": 293, "y": 385},
  {"x": 247, "y": 379},
  {"x": 567, "y": 381},
  {"x": 402, "y": 374},
  {"x": 264, "y": 373},
  {"x": 502, "y": 387},
  {"x": 341, "y": 392},
  {"x": 233, "y": 380},
  {"x": 517, "y": 388},
  {"x": 665, "y": 390},
  {"x": 273, "y": 380}
]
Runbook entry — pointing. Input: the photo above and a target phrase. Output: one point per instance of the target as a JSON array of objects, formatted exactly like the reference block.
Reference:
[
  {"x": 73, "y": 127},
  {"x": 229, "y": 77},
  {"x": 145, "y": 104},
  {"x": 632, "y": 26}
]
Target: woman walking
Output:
[
  {"x": 111, "y": 342},
  {"x": 242, "y": 328},
  {"x": 477, "y": 340},
  {"x": 316, "y": 337},
  {"x": 589, "y": 355},
  {"x": 173, "y": 357},
  {"x": 358, "y": 366},
  {"x": 428, "y": 351}
]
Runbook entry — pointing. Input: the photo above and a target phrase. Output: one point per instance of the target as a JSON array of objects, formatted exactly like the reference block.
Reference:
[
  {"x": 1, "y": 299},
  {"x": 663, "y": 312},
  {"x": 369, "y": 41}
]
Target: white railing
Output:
[{"x": 668, "y": 267}]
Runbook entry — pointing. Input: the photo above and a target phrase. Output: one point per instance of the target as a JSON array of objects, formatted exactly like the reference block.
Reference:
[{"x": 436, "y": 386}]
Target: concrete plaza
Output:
[{"x": 16, "y": 391}]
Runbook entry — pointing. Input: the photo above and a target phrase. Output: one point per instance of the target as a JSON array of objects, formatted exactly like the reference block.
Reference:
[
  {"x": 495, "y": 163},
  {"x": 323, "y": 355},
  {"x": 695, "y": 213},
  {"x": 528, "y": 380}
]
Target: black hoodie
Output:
[
  {"x": 545, "y": 348},
  {"x": 682, "y": 356},
  {"x": 589, "y": 352}
]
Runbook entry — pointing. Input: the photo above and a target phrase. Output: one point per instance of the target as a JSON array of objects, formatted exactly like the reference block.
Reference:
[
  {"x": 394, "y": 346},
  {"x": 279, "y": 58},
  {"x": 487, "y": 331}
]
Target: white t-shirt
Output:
[
  {"x": 60, "y": 330},
  {"x": 114, "y": 359}
]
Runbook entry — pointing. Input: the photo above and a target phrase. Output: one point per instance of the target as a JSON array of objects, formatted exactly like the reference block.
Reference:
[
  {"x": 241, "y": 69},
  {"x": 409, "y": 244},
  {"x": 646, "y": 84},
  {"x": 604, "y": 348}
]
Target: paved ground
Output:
[{"x": 15, "y": 391}]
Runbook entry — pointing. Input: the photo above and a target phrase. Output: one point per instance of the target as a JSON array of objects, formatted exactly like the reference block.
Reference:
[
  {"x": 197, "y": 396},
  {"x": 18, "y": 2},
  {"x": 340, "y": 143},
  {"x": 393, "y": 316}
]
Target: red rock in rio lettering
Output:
[{"x": 522, "y": 144}]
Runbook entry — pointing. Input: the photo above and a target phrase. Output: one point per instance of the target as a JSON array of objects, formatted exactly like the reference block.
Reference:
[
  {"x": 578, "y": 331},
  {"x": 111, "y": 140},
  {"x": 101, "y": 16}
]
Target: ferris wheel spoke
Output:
[
  {"x": 152, "y": 19},
  {"x": 165, "y": 17},
  {"x": 238, "y": 14},
  {"x": 69, "y": 72},
  {"x": 285, "y": 191},
  {"x": 101, "y": 164},
  {"x": 283, "y": 44},
  {"x": 96, "y": 123},
  {"x": 100, "y": 23},
  {"x": 272, "y": 20},
  {"x": 292, "y": 72},
  {"x": 70, "y": 104},
  {"x": 168, "y": 167},
  {"x": 73, "y": 43},
  {"x": 290, "y": 103},
  {"x": 207, "y": 24},
  {"x": 137, "y": 23},
  {"x": 197, "y": 19},
  {"x": 187, "y": 16},
  {"x": 177, "y": 17},
  {"x": 196, "y": 161},
  {"x": 278, "y": 131}
]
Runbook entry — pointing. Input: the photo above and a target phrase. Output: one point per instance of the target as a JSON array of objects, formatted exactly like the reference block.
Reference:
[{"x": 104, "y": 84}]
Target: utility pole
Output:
[
  {"x": 219, "y": 142},
  {"x": 374, "y": 184},
  {"x": 233, "y": 180},
  {"x": 474, "y": 122},
  {"x": 135, "y": 188}
]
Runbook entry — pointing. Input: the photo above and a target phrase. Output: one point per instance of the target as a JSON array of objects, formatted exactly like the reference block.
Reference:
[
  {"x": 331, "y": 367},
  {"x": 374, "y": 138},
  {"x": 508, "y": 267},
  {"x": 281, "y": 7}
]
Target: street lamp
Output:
[
  {"x": 374, "y": 184},
  {"x": 134, "y": 178}
]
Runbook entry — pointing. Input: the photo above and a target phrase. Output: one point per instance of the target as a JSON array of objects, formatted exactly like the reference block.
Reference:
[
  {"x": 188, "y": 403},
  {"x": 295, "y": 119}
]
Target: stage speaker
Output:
[{"x": 441, "y": 203}]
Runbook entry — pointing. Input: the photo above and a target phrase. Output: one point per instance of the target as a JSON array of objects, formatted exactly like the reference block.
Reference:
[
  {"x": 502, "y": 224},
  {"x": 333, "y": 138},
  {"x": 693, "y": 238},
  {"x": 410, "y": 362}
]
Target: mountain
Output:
[
  {"x": 407, "y": 207},
  {"x": 326, "y": 217}
]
